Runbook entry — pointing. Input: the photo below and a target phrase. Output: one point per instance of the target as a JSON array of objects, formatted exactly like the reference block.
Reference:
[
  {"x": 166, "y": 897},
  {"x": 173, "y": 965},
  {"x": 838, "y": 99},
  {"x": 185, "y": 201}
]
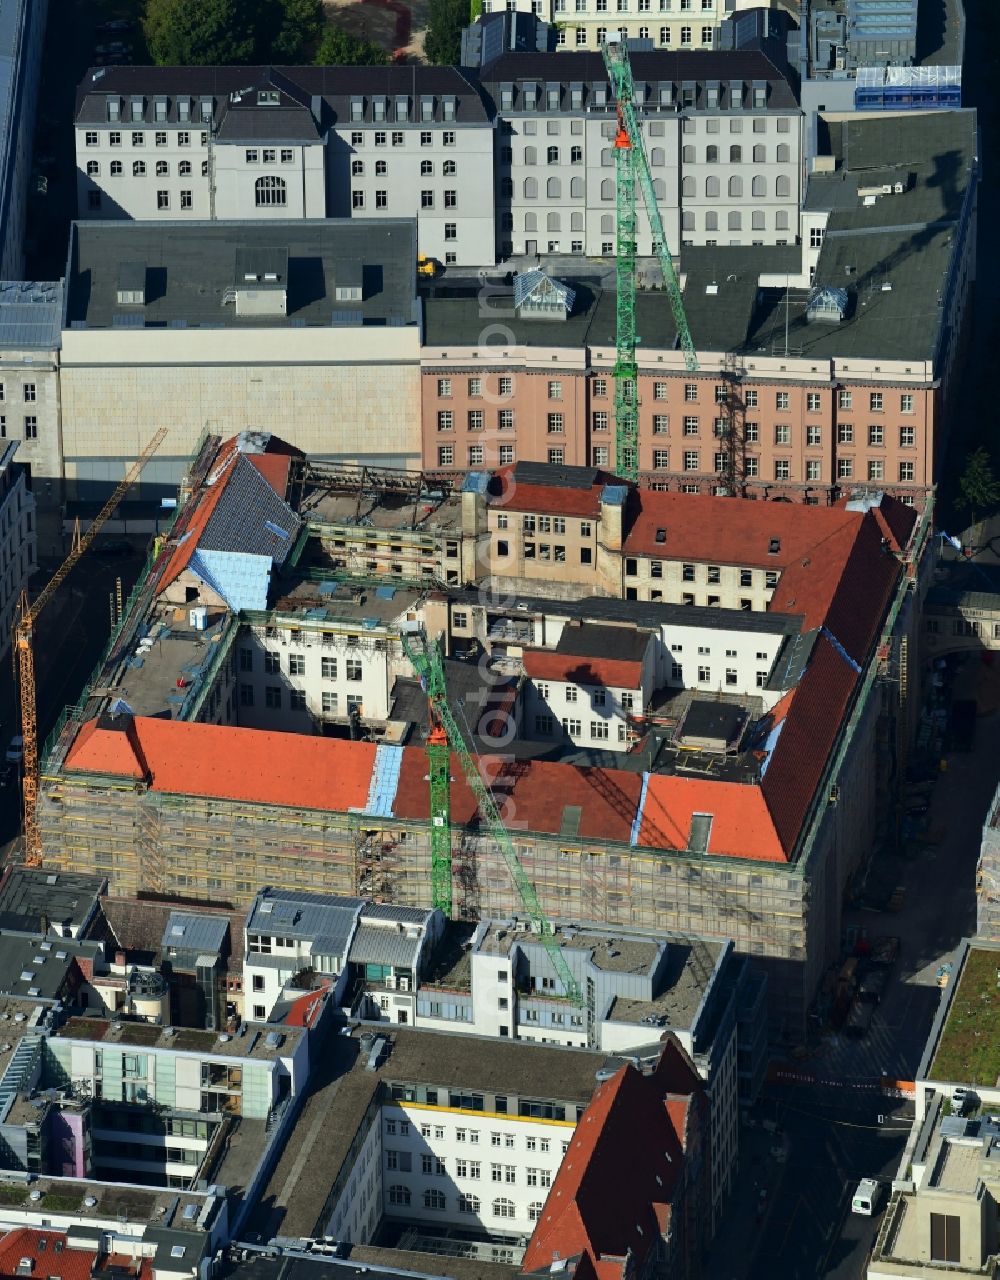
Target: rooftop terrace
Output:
[
  {"x": 255, "y": 1043},
  {"x": 968, "y": 1049}
]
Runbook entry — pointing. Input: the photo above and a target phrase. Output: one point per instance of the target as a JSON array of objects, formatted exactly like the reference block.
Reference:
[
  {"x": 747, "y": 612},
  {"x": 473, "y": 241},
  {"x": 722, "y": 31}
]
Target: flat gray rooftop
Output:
[
  {"x": 62, "y": 898},
  {"x": 207, "y": 1044},
  {"x": 190, "y": 266}
]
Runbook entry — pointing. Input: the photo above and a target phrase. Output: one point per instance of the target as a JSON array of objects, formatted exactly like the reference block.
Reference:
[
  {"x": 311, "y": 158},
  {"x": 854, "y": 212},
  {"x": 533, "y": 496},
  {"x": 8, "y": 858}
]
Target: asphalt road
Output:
[{"x": 832, "y": 1138}]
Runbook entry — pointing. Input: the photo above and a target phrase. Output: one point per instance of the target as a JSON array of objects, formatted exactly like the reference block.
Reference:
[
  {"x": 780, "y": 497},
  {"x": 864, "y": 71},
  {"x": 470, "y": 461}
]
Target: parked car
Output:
[
  {"x": 116, "y": 24},
  {"x": 15, "y": 750},
  {"x": 867, "y": 1197}
]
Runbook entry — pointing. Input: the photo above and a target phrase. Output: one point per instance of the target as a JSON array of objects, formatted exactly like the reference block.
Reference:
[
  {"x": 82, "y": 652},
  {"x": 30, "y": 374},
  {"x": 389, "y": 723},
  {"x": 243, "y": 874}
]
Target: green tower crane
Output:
[
  {"x": 445, "y": 737},
  {"x": 631, "y": 165}
]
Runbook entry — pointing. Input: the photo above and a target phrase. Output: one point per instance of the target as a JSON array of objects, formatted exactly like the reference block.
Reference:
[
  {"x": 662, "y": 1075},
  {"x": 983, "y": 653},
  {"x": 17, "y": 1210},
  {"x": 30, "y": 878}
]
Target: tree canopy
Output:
[
  {"x": 339, "y": 49},
  {"x": 445, "y": 20},
  {"x": 978, "y": 488},
  {"x": 231, "y": 32}
]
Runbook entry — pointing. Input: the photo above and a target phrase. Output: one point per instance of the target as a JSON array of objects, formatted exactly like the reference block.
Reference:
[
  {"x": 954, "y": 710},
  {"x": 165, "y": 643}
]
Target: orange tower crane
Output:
[{"x": 24, "y": 656}]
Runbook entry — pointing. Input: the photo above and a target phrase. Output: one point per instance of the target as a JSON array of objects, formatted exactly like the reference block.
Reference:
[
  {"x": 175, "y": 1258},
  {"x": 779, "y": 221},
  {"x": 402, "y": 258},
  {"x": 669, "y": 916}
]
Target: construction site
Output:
[{"x": 219, "y": 747}]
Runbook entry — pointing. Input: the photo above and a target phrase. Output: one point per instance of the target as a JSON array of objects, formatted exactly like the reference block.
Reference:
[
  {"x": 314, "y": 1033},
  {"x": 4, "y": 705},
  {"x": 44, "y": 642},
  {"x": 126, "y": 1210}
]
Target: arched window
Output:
[
  {"x": 93, "y": 168},
  {"x": 576, "y": 155},
  {"x": 711, "y": 220},
  {"x": 757, "y": 220},
  {"x": 688, "y": 187},
  {"x": 735, "y": 154},
  {"x": 687, "y": 220},
  {"x": 784, "y": 153},
  {"x": 530, "y": 155},
  {"x": 576, "y": 222},
  {"x": 552, "y": 222},
  {"x": 531, "y": 222},
  {"x": 552, "y": 155},
  {"x": 553, "y": 189},
  {"x": 138, "y": 168},
  {"x": 659, "y": 189},
  {"x": 503, "y": 1208},
  {"x": 116, "y": 168},
  {"x": 607, "y": 224},
  {"x": 449, "y": 168},
  {"x": 759, "y": 185},
  {"x": 644, "y": 33},
  {"x": 270, "y": 192},
  {"x": 358, "y": 168},
  {"x": 398, "y": 1194},
  {"x": 687, "y": 154},
  {"x": 530, "y": 188},
  {"x": 184, "y": 169},
  {"x": 735, "y": 186},
  {"x": 606, "y": 158},
  {"x": 576, "y": 188},
  {"x": 162, "y": 168},
  {"x": 468, "y": 1204},
  {"x": 760, "y": 154},
  {"x": 426, "y": 168},
  {"x": 781, "y": 220},
  {"x": 735, "y": 221},
  {"x": 712, "y": 187},
  {"x": 783, "y": 187},
  {"x": 535, "y": 1210},
  {"x": 435, "y": 1200},
  {"x": 712, "y": 155},
  {"x": 607, "y": 189},
  {"x": 657, "y": 157}
]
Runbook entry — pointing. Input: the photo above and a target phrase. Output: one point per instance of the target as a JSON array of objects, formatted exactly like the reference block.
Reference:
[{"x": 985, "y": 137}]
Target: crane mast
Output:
[
  {"x": 632, "y": 167},
  {"x": 24, "y": 654},
  {"x": 425, "y": 659}
]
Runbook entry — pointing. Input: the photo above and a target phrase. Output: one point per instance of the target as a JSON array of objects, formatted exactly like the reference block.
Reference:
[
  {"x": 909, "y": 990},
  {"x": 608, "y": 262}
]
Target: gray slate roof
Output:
[
  {"x": 324, "y": 920},
  {"x": 64, "y": 898},
  {"x": 190, "y": 266},
  {"x": 378, "y": 944},
  {"x": 30, "y": 314},
  {"x": 186, "y": 931},
  {"x": 248, "y": 516}
]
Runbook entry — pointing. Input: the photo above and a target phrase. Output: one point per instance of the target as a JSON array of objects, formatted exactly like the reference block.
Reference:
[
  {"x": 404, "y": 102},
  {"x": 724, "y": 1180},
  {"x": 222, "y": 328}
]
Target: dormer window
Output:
[
  {"x": 506, "y": 97},
  {"x": 448, "y": 107},
  {"x": 136, "y": 107},
  {"x": 378, "y": 108},
  {"x": 357, "y": 108},
  {"x": 402, "y": 109},
  {"x": 600, "y": 95},
  {"x": 530, "y": 97},
  {"x": 184, "y": 109},
  {"x": 552, "y": 97},
  {"x": 206, "y": 110},
  {"x": 426, "y": 108},
  {"x": 114, "y": 109},
  {"x": 160, "y": 108}
]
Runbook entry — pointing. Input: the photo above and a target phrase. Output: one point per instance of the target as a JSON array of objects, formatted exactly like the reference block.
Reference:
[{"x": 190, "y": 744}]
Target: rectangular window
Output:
[
  {"x": 31, "y": 427},
  {"x": 782, "y": 469},
  {"x": 690, "y": 392},
  {"x": 556, "y": 457},
  {"x": 446, "y": 456},
  {"x": 845, "y": 468},
  {"x": 444, "y": 388},
  {"x": 163, "y": 199},
  {"x": 875, "y": 435},
  {"x": 296, "y": 664},
  {"x": 907, "y": 437},
  {"x": 875, "y": 402},
  {"x": 845, "y": 433},
  {"x": 354, "y": 669},
  {"x": 445, "y": 420},
  {"x": 329, "y": 702},
  {"x": 814, "y": 436},
  {"x": 906, "y": 404},
  {"x": 907, "y": 471},
  {"x": 272, "y": 697},
  {"x": 781, "y": 400},
  {"x": 661, "y": 424},
  {"x": 690, "y": 426},
  {"x": 782, "y": 433},
  {"x": 691, "y": 462},
  {"x": 555, "y": 424},
  {"x": 876, "y": 469}
]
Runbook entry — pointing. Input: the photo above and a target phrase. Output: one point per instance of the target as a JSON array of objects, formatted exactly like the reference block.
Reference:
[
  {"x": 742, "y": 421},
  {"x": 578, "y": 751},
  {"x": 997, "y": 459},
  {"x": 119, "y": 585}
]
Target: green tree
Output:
[
  {"x": 186, "y": 33},
  {"x": 340, "y": 49},
  {"x": 299, "y": 24},
  {"x": 979, "y": 489},
  {"x": 445, "y": 20}
]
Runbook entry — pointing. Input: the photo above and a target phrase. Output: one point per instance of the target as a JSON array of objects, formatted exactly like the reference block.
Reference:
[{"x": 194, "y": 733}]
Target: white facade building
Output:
[{"x": 518, "y": 161}]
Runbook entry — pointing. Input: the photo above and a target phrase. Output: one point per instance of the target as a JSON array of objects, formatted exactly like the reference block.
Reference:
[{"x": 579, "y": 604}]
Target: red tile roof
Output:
[
  {"x": 547, "y": 499},
  {"x": 807, "y": 738},
  {"x": 257, "y": 766},
  {"x": 70, "y": 1264},
  {"x": 613, "y": 1193},
  {"x": 742, "y": 825},
  {"x": 614, "y": 673}
]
